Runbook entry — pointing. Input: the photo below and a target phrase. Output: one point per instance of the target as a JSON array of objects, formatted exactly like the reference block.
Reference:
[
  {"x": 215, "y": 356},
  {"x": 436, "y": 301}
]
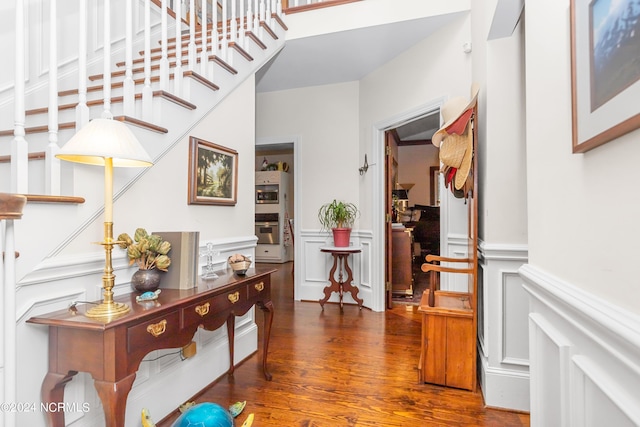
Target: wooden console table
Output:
[
  {"x": 340, "y": 263},
  {"x": 111, "y": 352}
]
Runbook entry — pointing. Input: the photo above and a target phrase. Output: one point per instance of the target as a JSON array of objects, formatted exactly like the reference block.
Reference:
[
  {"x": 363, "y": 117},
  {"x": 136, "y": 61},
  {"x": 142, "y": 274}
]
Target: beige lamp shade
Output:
[{"x": 105, "y": 138}]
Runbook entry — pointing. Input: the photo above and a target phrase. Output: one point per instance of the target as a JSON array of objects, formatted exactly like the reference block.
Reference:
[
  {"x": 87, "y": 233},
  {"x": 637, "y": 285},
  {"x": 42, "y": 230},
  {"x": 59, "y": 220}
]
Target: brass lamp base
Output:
[{"x": 107, "y": 310}]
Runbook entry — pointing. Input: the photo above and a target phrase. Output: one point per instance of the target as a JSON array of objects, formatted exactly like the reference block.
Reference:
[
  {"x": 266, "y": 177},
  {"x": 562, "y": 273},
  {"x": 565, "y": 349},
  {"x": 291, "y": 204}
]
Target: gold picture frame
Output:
[{"x": 213, "y": 173}]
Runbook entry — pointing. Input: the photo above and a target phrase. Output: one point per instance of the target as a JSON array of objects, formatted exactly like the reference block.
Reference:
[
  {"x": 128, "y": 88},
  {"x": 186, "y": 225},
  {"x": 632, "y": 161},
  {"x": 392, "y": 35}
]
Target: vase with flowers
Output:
[{"x": 149, "y": 252}]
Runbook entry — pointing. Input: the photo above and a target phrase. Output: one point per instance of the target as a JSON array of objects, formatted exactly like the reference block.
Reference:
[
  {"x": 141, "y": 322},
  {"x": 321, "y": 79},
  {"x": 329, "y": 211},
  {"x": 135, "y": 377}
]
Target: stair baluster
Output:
[
  {"x": 191, "y": 48},
  {"x": 128, "y": 104},
  {"x": 204, "y": 28},
  {"x": 164, "y": 60},
  {"x": 106, "y": 89},
  {"x": 147, "y": 92},
  {"x": 177, "y": 70},
  {"x": 256, "y": 19},
  {"x": 249, "y": 19},
  {"x": 19, "y": 148},
  {"x": 224, "y": 44},
  {"x": 52, "y": 165},
  {"x": 82, "y": 109},
  {"x": 233, "y": 24},
  {"x": 241, "y": 29}
]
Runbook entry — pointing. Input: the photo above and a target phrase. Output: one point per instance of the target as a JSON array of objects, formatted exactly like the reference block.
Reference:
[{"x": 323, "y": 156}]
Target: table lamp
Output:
[{"x": 109, "y": 143}]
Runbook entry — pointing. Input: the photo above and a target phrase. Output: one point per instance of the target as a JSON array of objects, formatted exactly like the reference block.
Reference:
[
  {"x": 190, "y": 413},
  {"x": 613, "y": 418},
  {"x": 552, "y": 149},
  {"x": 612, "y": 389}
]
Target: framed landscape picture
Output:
[
  {"x": 213, "y": 173},
  {"x": 605, "y": 70}
]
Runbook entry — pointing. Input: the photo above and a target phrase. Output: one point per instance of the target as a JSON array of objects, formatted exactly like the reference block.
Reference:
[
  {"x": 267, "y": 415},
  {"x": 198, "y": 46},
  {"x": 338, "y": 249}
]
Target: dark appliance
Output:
[{"x": 268, "y": 228}]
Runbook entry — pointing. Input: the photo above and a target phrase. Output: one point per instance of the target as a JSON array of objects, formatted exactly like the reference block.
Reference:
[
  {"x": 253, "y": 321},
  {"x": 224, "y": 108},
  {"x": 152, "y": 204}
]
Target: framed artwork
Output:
[
  {"x": 213, "y": 173},
  {"x": 605, "y": 70}
]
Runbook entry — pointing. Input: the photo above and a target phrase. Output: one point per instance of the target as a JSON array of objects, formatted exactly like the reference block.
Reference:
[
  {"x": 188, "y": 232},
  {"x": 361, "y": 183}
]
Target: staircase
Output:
[
  {"x": 160, "y": 86},
  {"x": 162, "y": 91}
]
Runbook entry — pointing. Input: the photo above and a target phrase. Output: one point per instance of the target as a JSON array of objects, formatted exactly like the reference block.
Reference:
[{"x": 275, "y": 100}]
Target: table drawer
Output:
[
  {"x": 196, "y": 312},
  {"x": 259, "y": 289},
  {"x": 154, "y": 331}
]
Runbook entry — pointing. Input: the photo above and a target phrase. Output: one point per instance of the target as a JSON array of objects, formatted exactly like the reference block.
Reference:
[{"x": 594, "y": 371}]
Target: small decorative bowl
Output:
[{"x": 240, "y": 267}]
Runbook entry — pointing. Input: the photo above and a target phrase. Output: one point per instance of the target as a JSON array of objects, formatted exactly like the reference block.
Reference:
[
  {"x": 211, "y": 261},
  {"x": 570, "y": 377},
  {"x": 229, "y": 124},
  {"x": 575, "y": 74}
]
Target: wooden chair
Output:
[{"x": 433, "y": 265}]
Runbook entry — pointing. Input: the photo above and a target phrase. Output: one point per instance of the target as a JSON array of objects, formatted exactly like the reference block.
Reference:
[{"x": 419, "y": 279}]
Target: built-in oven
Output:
[
  {"x": 267, "y": 193},
  {"x": 268, "y": 228}
]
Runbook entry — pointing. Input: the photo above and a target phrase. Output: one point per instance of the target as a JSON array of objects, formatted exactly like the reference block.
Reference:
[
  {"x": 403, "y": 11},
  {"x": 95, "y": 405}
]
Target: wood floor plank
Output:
[{"x": 357, "y": 368}]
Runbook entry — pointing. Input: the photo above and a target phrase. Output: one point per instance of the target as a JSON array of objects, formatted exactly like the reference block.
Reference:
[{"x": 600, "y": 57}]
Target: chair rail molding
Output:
[{"x": 584, "y": 355}]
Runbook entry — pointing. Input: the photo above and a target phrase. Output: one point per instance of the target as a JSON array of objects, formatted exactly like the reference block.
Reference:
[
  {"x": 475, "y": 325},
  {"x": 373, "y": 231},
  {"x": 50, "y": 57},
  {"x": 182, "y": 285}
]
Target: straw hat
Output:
[
  {"x": 456, "y": 151},
  {"x": 456, "y": 113}
]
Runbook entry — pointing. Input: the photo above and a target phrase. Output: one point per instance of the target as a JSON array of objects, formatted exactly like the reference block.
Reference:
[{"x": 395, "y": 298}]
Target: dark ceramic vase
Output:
[{"x": 146, "y": 280}]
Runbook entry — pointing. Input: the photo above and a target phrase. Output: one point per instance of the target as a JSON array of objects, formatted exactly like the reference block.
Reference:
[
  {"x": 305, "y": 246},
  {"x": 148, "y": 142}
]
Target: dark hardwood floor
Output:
[{"x": 356, "y": 368}]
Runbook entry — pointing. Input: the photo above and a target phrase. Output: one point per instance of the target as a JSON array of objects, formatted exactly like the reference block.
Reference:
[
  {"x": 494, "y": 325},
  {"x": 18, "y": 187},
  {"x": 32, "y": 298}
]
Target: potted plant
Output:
[
  {"x": 149, "y": 251},
  {"x": 338, "y": 216}
]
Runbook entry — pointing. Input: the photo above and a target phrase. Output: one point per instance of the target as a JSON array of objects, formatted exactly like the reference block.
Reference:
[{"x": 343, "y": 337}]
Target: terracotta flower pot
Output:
[
  {"x": 341, "y": 237},
  {"x": 146, "y": 280}
]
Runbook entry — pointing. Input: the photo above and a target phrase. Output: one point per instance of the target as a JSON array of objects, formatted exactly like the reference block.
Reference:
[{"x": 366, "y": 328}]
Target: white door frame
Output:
[
  {"x": 377, "y": 190},
  {"x": 295, "y": 140}
]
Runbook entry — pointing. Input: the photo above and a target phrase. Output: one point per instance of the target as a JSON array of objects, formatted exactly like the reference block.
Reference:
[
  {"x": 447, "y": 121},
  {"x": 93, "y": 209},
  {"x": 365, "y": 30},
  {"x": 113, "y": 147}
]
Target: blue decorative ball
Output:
[{"x": 205, "y": 414}]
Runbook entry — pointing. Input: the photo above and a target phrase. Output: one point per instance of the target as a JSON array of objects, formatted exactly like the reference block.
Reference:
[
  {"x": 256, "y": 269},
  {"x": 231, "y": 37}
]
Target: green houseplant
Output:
[
  {"x": 149, "y": 252},
  {"x": 338, "y": 216}
]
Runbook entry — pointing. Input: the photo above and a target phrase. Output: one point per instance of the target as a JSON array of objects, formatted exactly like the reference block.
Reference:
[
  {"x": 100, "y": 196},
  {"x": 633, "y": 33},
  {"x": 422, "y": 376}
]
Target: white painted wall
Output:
[
  {"x": 582, "y": 211},
  {"x": 582, "y": 221},
  {"x": 160, "y": 196},
  {"x": 325, "y": 119},
  {"x": 433, "y": 69}
]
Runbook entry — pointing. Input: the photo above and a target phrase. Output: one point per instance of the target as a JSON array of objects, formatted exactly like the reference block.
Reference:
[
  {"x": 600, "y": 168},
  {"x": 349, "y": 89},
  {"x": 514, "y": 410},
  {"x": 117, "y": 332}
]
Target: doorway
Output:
[
  {"x": 281, "y": 153},
  {"x": 412, "y": 203}
]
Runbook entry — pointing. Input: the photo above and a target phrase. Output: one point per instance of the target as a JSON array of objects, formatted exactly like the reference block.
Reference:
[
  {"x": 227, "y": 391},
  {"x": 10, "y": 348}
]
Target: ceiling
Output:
[
  {"x": 343, "y": 56},
  {"x": 349, "y": 56}
]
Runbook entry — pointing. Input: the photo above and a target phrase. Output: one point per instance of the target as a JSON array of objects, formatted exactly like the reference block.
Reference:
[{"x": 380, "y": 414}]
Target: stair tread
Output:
[
  {"x": 115, "y": 100},
  {"x": 72, "y": 125}
]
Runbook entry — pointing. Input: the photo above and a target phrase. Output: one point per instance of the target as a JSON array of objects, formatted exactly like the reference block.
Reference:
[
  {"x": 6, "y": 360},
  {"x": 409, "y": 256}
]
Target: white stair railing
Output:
[{"x": 234, "y": 16}]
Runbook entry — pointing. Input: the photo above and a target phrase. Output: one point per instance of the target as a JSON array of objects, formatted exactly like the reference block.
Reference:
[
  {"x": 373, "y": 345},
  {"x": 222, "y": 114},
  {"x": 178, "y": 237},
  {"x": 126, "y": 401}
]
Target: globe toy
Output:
[{"x": 208, "y": 414}]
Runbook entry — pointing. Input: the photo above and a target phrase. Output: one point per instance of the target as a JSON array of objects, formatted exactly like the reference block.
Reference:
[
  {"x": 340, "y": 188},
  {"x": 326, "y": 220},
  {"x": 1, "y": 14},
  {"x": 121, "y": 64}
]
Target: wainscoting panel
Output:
[
  {"x": 503, "y": 345},
  {"x": 515, "y": 345},
  {"x": 585, "y": 369}
]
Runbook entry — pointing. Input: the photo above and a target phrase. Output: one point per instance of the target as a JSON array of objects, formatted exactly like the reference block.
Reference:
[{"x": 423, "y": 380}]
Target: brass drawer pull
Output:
[
  {"x": 259, "y": 286},
  {"x": 157, "y": 329},
  {"x": 203, "y": 309},
  {"x": 234, "y": 297}
]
